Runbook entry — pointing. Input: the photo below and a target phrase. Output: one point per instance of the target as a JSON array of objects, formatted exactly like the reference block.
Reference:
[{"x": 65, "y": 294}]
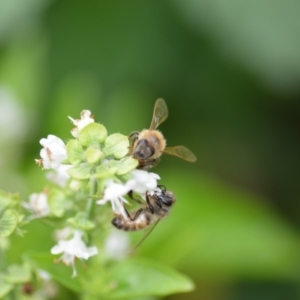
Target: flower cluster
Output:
[{"x": 92, "y": 168}]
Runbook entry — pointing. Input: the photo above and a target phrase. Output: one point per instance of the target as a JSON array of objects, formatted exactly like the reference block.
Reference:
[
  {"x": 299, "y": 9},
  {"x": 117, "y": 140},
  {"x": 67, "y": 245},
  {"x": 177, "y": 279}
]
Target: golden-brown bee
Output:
[
  {"x": 148, "y": 145},
  {"x": 158, "y": 206}
]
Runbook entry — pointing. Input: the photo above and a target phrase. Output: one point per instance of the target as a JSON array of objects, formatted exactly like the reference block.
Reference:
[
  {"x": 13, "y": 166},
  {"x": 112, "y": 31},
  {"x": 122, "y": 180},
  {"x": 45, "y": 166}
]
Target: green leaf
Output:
[
  {"x": 18, "y": 274},
  {"x": 117, "y": 145},
  {"x": 143, "y": 277},
  {"x": 227, "y": 233},
  {"x": 80, "y": 221},
  {"x": 81, "y": 172},
  {"x": 8, "y": 200},
  {"x": 75, "y": 152},
  {"x": 125, "y": 165},
  {"x": 93, "y": 155},
  {"x": 5, "y": 287},
  {"x": 57, "y": 202},
  {"x": 92, "y": 134},
  {"x": 104, "y": 171},
  {"x": 8, "y": 222},
  {"x": 58, "y": 271}
]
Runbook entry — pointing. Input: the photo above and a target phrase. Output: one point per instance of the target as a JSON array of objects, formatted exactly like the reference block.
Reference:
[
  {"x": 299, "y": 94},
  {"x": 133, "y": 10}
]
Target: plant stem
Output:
[{"x": 90, "y": 204}]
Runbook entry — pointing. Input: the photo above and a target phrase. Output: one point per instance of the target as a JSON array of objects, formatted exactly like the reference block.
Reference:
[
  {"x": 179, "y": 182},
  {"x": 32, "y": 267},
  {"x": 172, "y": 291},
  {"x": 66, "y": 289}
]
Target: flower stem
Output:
[{"x": 90, "y": 204}]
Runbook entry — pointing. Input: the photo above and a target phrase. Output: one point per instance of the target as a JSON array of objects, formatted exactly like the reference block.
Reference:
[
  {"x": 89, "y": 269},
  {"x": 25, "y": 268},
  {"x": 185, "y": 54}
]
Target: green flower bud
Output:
[
  {"x": 75, "y": 152},
  {"x": 92, "y": 134},
  {"x": 104, "y": 171},
  {"x": 83, "y": 171},
  {"x": 125, "y": 165},
  {"x": 117, "y": 145},
  {"x": 93, "y": 155}
]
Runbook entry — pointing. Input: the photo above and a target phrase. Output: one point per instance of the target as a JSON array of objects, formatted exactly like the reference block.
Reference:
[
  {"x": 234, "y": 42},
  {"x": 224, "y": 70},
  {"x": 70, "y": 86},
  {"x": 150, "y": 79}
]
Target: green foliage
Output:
[
  {"x": 230, "y": 72},
  {"x": 81, "y": 221},
  {"x": 18, "y": 274},
  {"x": 128, "y": 279},
  {"x": 225, "y": 234},
  {"x": 9, "y": 216},
  {"x": 59, "y": 272},
  {"x": 57, "y": 202},
  {"x": 8, "y": 200},
  {"x": 142, "y": 277},
  {"x": 5, "y": 287},
  {"x": 8, "y": 222},
  {"x": 15, "y": 274}
]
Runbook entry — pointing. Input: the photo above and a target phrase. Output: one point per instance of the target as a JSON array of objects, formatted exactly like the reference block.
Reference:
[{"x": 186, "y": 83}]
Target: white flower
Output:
[
  {"x": 117, "y": 244},
  {"x": 86, "y": 118},
  {"x": 144, "y": 181},
  {"x": 38, "y": 204},
  {"x": 59, "y": 175},
  {"x": 44, "y": 274},
  {"x": 114, "y": 193},
  {"x": 53, "y": 153},
  {"x": 62, "y": 234},
  {"x": 72, "y": 249}
]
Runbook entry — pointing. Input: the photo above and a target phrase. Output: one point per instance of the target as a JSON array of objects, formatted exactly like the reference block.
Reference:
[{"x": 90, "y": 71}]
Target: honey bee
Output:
[
  {"x": 148, "y": 145},
  {"x": 158, "y": 206}
]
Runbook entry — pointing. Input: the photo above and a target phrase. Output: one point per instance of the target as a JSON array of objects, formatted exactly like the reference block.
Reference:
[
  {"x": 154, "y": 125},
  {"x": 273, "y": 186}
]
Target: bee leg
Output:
[
  {"x": 158, "y": 202},
  {"x": 137, "y": 214},
  {"x": 149, "y": 204},
  {"x": 133, "y": 136},
  {"x": 127, "y": 213},
  {"x": 130, "y": 194}
]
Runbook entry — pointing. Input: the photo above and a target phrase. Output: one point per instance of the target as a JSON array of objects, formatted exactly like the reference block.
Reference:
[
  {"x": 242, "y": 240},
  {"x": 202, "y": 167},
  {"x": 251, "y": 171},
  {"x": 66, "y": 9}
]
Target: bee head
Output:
[
  {"x": 143, "y": 149},
  {"x": 167, "y": 198}
]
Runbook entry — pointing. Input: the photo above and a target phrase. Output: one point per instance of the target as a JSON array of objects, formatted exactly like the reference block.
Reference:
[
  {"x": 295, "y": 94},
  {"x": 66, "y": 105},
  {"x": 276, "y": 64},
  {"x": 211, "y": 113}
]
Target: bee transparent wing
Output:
[
  {"x": 181, "y": 152},
  {"x": 160, "y": 113},
  {"x": 145, "y": 236}
]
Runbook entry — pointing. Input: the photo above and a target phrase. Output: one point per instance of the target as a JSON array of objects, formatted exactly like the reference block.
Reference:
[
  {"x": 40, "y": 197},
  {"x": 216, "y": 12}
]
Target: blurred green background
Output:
[{"x": 230, "y": 74}]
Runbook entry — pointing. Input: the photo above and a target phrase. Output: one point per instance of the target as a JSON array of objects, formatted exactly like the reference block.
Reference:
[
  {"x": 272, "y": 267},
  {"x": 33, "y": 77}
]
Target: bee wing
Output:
[
  {"x": 145, "y": 236},
  {"x": 160, "y": 113},
  {"x": 181, "y": 152}
]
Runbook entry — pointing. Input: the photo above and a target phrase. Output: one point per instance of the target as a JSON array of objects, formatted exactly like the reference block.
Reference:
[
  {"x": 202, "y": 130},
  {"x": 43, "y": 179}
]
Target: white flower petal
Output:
[
  {"x": 60, "y": 175},
  {"x": 85, "y": 119},
  {"x": 38, "y": 205},
  {"x": 73, "y": 248},
  {"x": 145, "y": 181},
  {"x": 53, "y": 153},
  {"x": 114, "y": 193},
  {"x": 57, "y": 249}
]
